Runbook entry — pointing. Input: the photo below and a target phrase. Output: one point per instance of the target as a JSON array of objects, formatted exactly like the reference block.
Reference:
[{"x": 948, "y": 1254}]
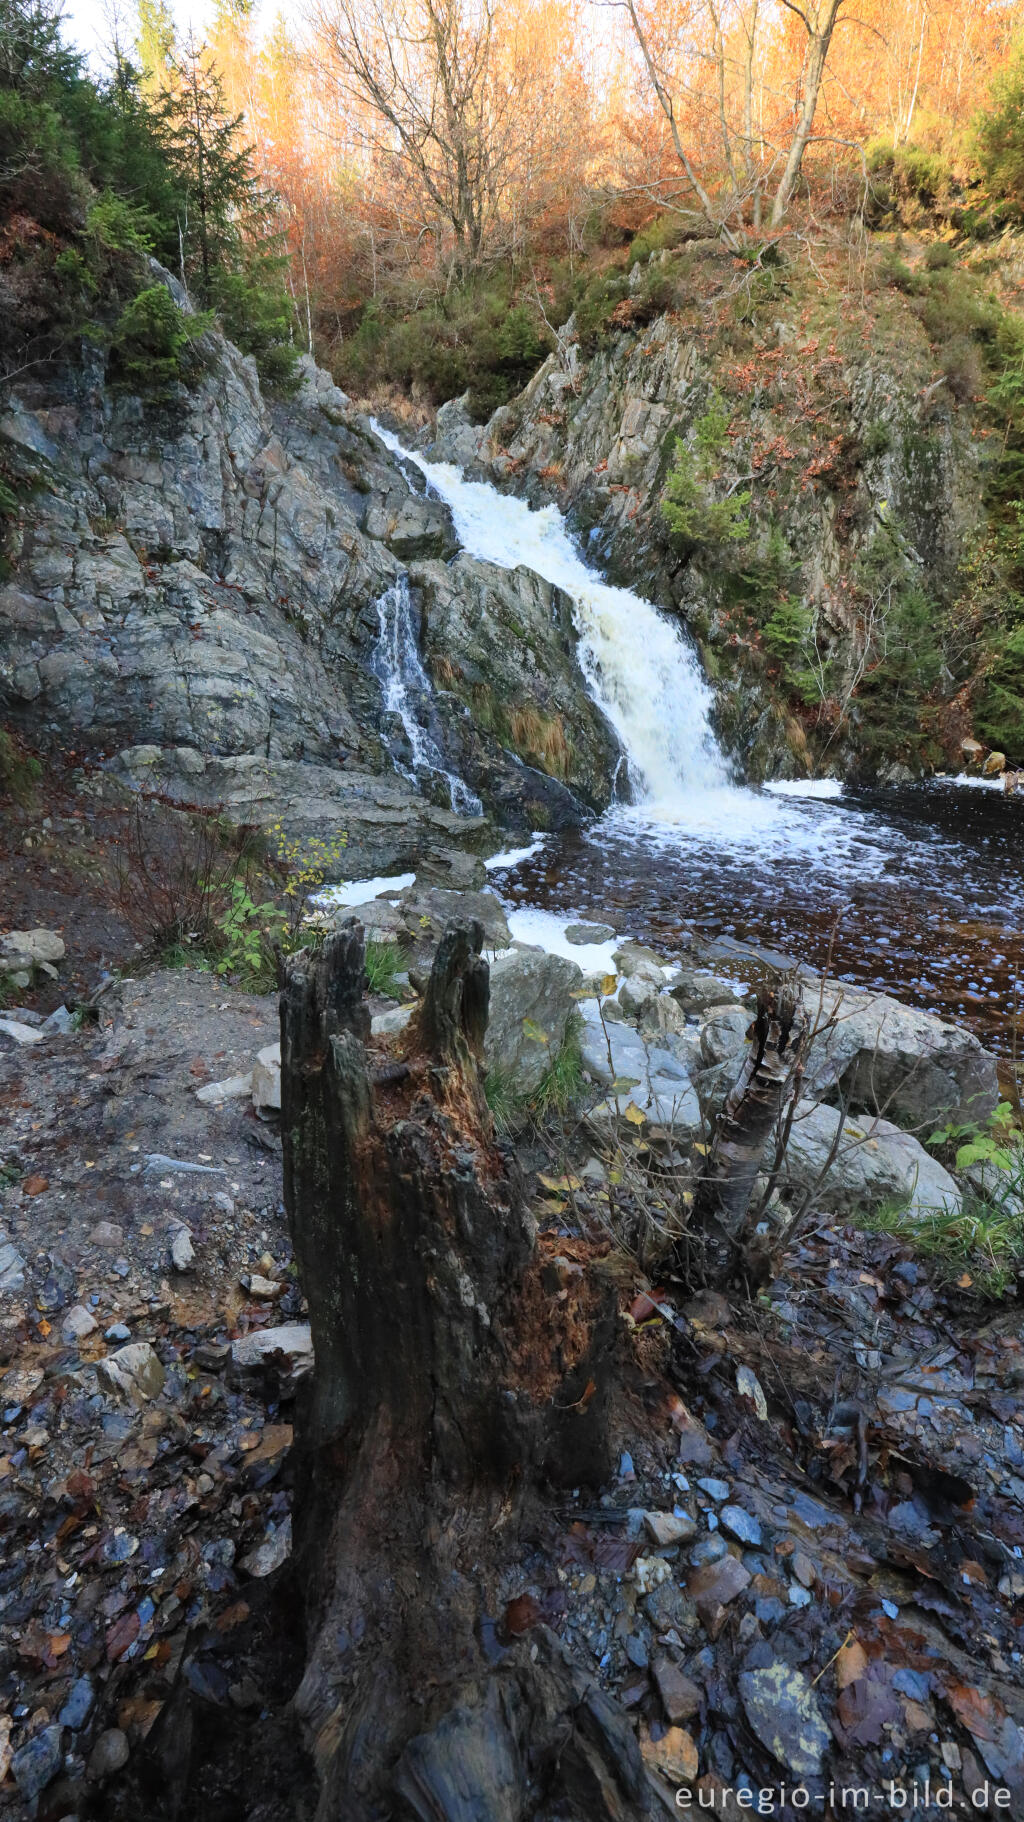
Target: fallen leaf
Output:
[
  {"x": 851, "y": 1663},
  {"x": 34, "y": 1186},
  {"x": 522, "y": 1614}
]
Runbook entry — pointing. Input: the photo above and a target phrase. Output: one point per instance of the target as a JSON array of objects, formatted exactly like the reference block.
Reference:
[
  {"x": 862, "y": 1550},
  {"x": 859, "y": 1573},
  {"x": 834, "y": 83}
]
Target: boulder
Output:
[
  {"x": 22, "y": 1034},
  {"x": 914, "y": 1067},
  {"x": 662, "y": 1017},
  {"x": 411, "y": 525},
  {"x": 531, "y": 1005},
  {"x": 636, "y": 958},
  {"x": 875, "y": 1162},
  {"x": 22, "y": 951},
  {"x": 426, "y": 911},
  {"x": 636, "y": 994},
  {"x": 134, "y": 1371},
  {"x": 289, "y": 1348},
  {"x": 611, "y": 1051},
  {"x": 723, "y": 1034},
  {"x": 695, "y": 990}
]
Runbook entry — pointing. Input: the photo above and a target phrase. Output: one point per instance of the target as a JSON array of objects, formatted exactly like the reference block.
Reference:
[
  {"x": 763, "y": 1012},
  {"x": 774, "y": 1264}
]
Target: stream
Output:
[{"x": 917, "y": 890}]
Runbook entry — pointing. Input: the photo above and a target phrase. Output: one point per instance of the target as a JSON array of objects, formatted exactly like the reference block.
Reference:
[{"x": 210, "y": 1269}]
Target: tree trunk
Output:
[
  {"x": 450, "y": 1386},
  {"x": 818, "y": 45},
  {"x": 751, "y": 1114}
]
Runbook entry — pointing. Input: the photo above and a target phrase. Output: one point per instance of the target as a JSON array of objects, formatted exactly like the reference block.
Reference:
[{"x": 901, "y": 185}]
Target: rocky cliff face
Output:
[
  {"x": 191, "y": 599},
  {"x": 863, "y": 488}
]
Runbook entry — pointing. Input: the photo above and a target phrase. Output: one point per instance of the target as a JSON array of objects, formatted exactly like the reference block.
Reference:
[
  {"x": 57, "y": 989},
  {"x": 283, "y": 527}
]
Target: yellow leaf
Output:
[
  {"x": 634, "y": 1115},
  {"x": 609, "y": 984}
]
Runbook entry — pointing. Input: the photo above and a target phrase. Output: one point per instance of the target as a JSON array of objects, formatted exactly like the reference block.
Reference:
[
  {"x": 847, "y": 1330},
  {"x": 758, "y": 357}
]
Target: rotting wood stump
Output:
[{"x": 451, "y": 1389}]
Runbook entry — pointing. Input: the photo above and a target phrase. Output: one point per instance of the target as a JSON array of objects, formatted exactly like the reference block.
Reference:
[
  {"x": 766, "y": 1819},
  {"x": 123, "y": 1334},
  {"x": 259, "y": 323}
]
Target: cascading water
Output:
[
  {"x": 868, "y": 884},
  {"x": 637, "y": 665},
  {"x": 407, "y": 694}
]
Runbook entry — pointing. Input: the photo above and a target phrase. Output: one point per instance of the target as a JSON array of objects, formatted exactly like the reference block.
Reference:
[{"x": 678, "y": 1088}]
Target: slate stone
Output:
[{"x": 783, "y": 1711}]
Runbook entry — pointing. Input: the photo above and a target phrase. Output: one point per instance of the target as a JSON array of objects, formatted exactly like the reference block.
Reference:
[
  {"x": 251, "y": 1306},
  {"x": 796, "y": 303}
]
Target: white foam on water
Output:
[
  {"x": 965, "y": 781},
  {"x": 360, "y": 891},
  {"x": 806, "y": 787},
  {"x": 546, "y": 930},
  {"x": 511, "y": 857}
]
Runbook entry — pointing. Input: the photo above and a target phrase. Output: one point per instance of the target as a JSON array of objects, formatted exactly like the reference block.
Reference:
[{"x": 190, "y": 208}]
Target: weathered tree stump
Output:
[{"x": 449, "y": 1388}]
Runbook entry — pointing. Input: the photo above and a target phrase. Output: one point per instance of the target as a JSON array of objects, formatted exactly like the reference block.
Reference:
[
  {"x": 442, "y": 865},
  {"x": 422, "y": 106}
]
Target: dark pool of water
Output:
[{"x": 915, "y": 890}]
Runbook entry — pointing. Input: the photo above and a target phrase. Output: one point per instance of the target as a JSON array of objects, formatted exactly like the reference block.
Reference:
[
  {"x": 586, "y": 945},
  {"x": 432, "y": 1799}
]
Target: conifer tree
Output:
[{"x": 155, "y": 44}]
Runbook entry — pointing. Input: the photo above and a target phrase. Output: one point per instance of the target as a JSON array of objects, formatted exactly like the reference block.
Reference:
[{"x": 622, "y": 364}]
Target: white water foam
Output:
[
  {"x": 644, "y": 676},
  {"x": 639, "y": 668}
]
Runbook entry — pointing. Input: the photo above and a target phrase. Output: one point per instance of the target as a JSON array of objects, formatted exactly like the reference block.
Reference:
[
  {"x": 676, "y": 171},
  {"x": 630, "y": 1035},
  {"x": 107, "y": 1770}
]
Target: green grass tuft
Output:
[
  {"x": 984, "y": 1240},
  {"x": 384, "y": 963},
  {"x": 555, "y": 1095}
]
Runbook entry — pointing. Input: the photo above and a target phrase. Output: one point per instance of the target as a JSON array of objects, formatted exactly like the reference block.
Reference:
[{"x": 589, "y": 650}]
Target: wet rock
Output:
[
  {"x": 108, "y": 1755},
  {"x": 588, "y": 933},
  {"x": 134, "y": 1371},
  {"x": 266, "y": 1078},
  {"x": 36, "y": 1764},
  {"x": 531, "y": 1005},
  {"x": 783, "y": 1711},
  {"x": 680, "y": 1698},
  {"x": 78, "y": 1323},
  {"x": 740, "y": 1525}
]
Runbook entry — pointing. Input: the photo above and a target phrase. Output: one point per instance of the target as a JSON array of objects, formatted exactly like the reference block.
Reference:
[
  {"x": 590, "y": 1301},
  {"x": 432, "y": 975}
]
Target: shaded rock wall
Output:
[{"x": 199, "y": 579}]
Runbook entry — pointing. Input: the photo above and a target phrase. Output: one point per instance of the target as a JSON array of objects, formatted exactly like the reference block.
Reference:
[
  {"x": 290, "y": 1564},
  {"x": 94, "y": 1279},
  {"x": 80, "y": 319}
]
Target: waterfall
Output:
[
  {"x": 407, "y": 693},
  {"x": 636, "y": 661}
]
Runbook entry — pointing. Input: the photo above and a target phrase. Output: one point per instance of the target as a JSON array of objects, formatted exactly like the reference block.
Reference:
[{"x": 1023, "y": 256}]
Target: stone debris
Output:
[
  {"x": 135, "y": 1371},
  {"x": 22, "y": 1034},
  {"x": 183, "y": 1253},
  {"x": 266, "y": 1079},
  {"x": 783, "y": 1711}
]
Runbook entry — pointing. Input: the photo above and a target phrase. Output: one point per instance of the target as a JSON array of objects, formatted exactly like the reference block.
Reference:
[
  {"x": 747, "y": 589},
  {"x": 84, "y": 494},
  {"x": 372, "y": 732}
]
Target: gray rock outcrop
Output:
[{"x": 192, "y": 600}]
